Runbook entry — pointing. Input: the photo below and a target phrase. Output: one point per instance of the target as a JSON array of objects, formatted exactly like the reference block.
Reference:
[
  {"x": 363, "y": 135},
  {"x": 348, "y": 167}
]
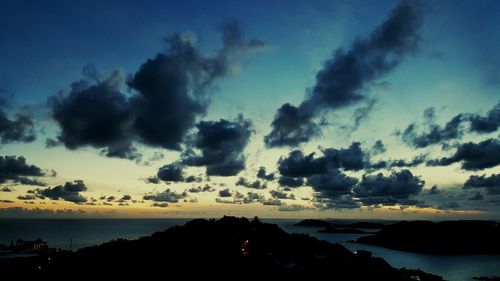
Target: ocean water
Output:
[{"x": 79, "y": 233}]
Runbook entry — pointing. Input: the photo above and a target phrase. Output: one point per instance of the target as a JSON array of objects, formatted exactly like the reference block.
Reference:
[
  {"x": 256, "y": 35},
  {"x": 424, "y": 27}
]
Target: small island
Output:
[{"x": 442, "y": 238}]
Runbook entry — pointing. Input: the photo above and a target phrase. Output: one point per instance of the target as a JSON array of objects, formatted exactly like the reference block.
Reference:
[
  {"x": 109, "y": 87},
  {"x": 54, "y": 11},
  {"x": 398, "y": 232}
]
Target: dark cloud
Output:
[
  {"x": 225, "y": 193},
  {"x": 205, "y": 188},
  {"x": 221, "y": 145},
  {"x": 17, "y": 128},
  {"x": 453, "y": 129},
  {"x": 254, "y": 184},
  {"x": 473, "y": 156},
  {"x": 393, "y": 189},
  {"x": 378, "y": 148},
  {"x": 171, "y": 172},
  {"x": 485, "y": 124},
  {"x": 400, "y": 163},
  {"x": 165, "y": 196},
  {"x": 281, "y": 195},
  {"x": 343, "y": 77},
  {"x": 95, "y": 113},
  {"x": 170, "y": 91},
  {"x": 262, "y": 174},
  {"x": 360, "y": 114},
  {"x": 70, "y": 191},
  {"x": 332, "y": 184},
  {"x": 434, "y": 134},
  {"x": 193, "y": 179},
  {"x": 26, "y": 197},
  {"x": 491, "y": 183},
  {"x": 285, "y": 181},
  {"x": 17, "y": 169},
  {"x": 339, "y": 203},
  {"x": 299, "y": 165},
  {"x": 160, "y": 205}
]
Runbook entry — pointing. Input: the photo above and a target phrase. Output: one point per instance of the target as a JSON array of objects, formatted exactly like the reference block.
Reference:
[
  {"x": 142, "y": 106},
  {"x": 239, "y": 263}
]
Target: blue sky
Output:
[{"x": 45, "y": 45}]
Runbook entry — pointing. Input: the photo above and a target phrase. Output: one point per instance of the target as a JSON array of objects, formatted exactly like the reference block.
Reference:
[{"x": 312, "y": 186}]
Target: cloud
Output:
[
  {"x": 169, "y": 91},
  {"x": 474, "y": 156},
  {"x": 225, "y": 193},
  {"x": 293, "y": 208},
  {"x": 70, "y": 191},
  {"x": 160, "y": 205},
  {"x": 393, "y": 189},
  {"x": 171, "y": 172},
  {"x": 341, "y": 81},
  {"x": 281, "y": 195},
  {"x": 205, "y": 188},
  {"x": 262, "y": 174},
  {"x": 378, "y": 148},
  {"x": 400, "y": 163},
  {"x": 491, "y": 183},
  {"x": 255, "y": 184},
  {"x": 485, "y": 124},
  {"x": 332, "y": 184},
  {"x": 453, "y": 129},
  {"x": 434, "y": 134},
  {"x": 299, "y": 165},
  {"x": 17, "y": 169},
  {"x": 285, "y": 181},
  {"x": 165, "y": 196},
  {"x": 221, "y": 145},
  {"x": 17, "y": 128}
]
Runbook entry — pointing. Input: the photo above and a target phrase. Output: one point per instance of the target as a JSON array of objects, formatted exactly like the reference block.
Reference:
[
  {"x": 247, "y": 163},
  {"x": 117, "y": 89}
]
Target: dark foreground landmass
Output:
[
  {"x": 228, "y": 248},
  {"x": 446, "y": 238}
]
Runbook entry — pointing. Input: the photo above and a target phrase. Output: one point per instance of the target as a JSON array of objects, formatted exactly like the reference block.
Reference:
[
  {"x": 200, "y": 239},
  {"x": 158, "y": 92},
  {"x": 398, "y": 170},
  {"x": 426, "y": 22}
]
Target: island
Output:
[
  {"x": 443, "y": 238},
  {"x": 221, "y": 249}
]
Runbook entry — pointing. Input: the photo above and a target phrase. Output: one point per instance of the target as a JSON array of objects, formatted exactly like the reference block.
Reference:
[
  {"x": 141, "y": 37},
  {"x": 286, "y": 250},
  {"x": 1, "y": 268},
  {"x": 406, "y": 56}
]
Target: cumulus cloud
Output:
[
  {"x": 285, "y": 181},
  {"x": 16, "y": 169},
  {"x": 341, "y": 81},
  {"x": 332, "y": 184},
  {"x": 262, "y": 174},
  {"x": 170, "y": 91},
  {"x": 434, "y": 134},
  {"x": 485, "y": 124},
  {"x": 171, "y": 172},
  {"x": 393, "y": 189},
  {"x": 167, "y": 195},
  {"x": 281, "y": 195},
  {"x": 400, "y": 163},
  {"x": 225, "y": 193},
  {"x": 221, "y": 145},
  {"x": 205, "y": 188},
  {"x": 299, "y": 165},
  {"x": 18, "y": 127},
  {"x": 452, "y": 130},
  {"x": 491, "y": 184},
  {"x": 70, "y": 191},
  {"x": 473, "y": 156},
  {"x": 254, "y": 184},
  {"x": 378, "y": 148}
]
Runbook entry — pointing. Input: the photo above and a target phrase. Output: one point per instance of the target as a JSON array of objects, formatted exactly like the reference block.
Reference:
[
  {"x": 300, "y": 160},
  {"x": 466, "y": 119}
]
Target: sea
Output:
[{"x": 79, "y": 233}]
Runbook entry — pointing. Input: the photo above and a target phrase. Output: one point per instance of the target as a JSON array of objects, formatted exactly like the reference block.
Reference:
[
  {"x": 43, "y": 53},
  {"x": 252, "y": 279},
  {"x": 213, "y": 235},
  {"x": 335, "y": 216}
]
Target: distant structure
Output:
[{"x": 35, "y": 246}]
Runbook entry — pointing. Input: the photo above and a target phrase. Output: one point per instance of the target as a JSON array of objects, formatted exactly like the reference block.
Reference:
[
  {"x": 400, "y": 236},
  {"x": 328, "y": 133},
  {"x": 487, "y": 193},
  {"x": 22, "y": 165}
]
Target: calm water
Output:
[{"x": 60, "y": 233}]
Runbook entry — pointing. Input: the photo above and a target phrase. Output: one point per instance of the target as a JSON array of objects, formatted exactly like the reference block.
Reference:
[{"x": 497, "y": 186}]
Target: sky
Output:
[{"x": 334, "y": 109}]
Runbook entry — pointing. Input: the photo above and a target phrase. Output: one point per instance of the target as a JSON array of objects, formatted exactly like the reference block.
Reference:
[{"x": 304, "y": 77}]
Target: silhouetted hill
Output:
[
  {"x": 313, "y": 223},
  {"x": 228, "y": 248},
  {"x": 323, "y": 223},
  {"x": 447, "y": 237}
]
